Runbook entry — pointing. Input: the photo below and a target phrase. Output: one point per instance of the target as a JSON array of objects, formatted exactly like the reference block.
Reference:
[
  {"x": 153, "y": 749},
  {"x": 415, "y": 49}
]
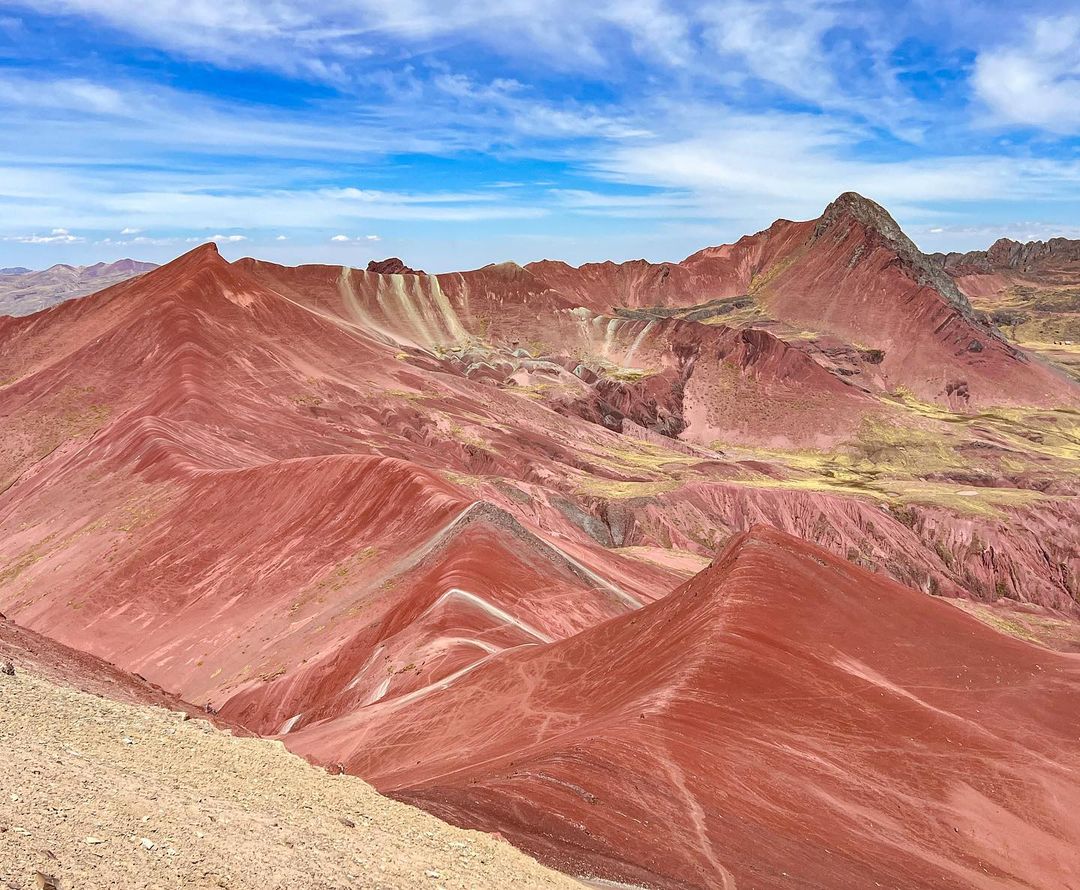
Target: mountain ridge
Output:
[{"x": 454, "y": 531}]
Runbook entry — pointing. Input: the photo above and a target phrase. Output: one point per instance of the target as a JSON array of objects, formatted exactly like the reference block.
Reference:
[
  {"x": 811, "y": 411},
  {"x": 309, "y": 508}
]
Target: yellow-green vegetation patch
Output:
[
  {"x": 627, "y": 375},
  {"x": 15, "y": 567},
  {"x": 532, "y": 391},
  {"x": 635, "y": 458},
  {"x": 1038, "y": 629},
  {"x": 1000, "y": 622},
  {"x": 980, "y": 501},
  {"x": 340, "y": 576},
  {"x": 411, "y": 395},
  {"x": 458, "y": 434},
  {"x": 594, "y": 486},
  {"x": 883, "y": 446},
  {"x": 1053, "y": 432},
  {"x": 914, "y": 454},
  {"x": 763, "y": 279},
  {"x": 137, "y": 513},
  {"x": 465, "y": 480},
  {"x": 636, "y": 455}
]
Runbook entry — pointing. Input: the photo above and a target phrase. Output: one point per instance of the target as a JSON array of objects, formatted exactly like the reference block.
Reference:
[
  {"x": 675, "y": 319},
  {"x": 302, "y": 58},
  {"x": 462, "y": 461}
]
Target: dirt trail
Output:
[{"x": 101, "y": 794}]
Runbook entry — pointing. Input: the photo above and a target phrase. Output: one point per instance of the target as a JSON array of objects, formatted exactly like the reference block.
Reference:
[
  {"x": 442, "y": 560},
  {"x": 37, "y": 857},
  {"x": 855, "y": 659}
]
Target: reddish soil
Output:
[
  {"x": 782, "y": 719},
  {"x": 850, "y": 273},
  {"x": 428, "y": 527}
]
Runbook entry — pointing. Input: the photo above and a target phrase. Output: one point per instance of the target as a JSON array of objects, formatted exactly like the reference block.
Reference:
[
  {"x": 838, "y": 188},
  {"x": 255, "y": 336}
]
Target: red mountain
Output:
[
  {"x": 851, "y": 273},
  {"x": 782, "y": 719},
  {"x": 444, "y": 530}
]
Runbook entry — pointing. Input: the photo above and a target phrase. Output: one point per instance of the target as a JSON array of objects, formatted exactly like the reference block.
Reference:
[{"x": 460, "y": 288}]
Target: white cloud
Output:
[
  {"x": 69, "y": 93},
  {"x": 226, "y": 239},
  {"x": 373, "y": 237},
  {"x": 983, "y": 234},
  {"x": 324, "y": 40},
  {"x": 142, "y": 241},
  {"x": 1036, "y": 79},
  {"x": 55, "y": 236},
  {"x": 681, "y": 134},
  {"x": 778, "y": 42},
  {"x": 783, "y": 164}
]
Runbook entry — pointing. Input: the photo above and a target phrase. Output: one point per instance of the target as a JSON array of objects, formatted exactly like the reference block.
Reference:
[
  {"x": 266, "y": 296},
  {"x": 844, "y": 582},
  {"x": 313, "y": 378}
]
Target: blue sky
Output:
[{"x": 454, "y": 134}]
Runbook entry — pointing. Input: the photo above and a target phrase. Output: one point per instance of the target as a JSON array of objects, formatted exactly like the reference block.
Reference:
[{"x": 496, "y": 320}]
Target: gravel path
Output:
[{"x": 96, "y": 793}]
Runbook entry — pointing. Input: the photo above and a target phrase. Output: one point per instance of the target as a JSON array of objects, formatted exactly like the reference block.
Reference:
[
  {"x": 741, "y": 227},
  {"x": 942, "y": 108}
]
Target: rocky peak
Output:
[
  {"x": 852, "y": 207},
  {"x": 1015, "y": 256},
  {"x": 392, "y": 266},
  {"x": 1008, "y": 254}
]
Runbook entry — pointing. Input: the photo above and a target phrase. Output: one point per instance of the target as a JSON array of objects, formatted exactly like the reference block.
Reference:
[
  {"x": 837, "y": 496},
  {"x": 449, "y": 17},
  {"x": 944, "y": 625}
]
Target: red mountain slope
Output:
[
  {"x": 426, "y": 526},
  {"x": 30, "y": 651},
  {"x": 851, "y": 273},
  {"x": 783, "y": 719}
]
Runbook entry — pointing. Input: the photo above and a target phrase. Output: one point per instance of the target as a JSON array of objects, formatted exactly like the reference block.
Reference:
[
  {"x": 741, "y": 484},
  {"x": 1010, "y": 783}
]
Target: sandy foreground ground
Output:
[{"x": 99, "y": 794}]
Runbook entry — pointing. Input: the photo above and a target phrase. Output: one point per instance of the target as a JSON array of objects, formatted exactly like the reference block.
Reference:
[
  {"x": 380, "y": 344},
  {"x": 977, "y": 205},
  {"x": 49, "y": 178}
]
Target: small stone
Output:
[
  {"x": 7, "y": 668},
  {"x": 44, "y": 882},
  {"x": 127, "y": 741},
  {"x": 94, "y": 841},
  {"x": 348, "y": 823},
  {"x": 431, "y": 873},
  {"x": 147, "y": 843}
]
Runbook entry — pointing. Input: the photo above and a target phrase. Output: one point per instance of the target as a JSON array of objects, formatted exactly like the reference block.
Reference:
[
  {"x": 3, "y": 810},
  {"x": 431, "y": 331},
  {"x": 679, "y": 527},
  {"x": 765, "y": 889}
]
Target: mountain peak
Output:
[
  {"x": 392, "y": 266},
  {"x": 205, "y": 255},
  {"x": 869, "y": 213},
  {"x": 210, "y": 247},
  {"x": 852, "y": 206}
]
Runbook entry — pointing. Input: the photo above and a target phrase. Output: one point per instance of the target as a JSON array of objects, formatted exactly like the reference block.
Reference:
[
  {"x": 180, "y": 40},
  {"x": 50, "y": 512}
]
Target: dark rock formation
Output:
[{"x": 392, "y": 266}]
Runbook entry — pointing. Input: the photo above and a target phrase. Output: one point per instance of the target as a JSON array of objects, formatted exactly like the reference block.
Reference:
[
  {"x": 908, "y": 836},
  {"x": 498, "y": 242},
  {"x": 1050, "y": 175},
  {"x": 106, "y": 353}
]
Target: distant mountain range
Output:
[{"x": 25, "y": 291}]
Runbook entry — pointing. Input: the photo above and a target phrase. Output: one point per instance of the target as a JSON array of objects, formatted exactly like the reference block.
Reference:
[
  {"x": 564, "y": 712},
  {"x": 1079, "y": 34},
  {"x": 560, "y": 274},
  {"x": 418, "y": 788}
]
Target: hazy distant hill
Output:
[{"x": 23, "y": 291}]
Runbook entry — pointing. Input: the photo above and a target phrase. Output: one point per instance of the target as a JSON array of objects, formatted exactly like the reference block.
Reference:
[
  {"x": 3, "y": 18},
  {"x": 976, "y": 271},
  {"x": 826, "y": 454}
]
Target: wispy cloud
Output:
[
  {"x": 55, "y": 236},
  {"x": 1035, "y": 79},
  {"x": 512, "y": 121}
]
